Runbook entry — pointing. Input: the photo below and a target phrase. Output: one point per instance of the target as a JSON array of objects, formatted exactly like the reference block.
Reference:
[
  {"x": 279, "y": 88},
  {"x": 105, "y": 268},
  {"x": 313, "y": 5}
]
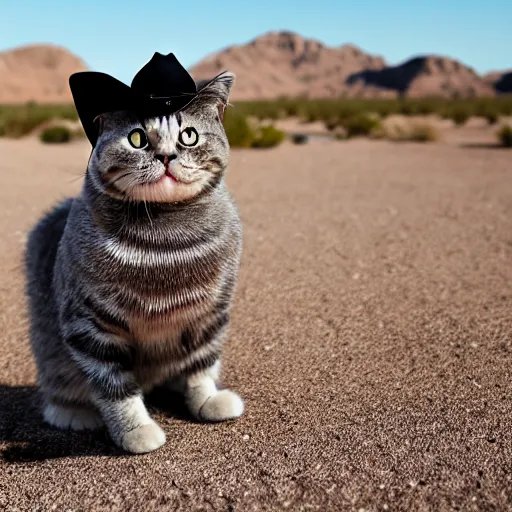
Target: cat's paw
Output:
[
  {"x": 143, "y": 439},
  {"x": 74, "y": 418},
  {"x": 221, "y": 406}
]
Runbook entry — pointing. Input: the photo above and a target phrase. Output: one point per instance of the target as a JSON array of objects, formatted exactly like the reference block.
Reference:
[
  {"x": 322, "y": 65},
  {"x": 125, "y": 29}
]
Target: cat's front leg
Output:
[
  {"x": 107, "y": 363},
  {"x": 198, "y": 380},
  {"x": 207, "y": 403},
  {"x": 130, "y": 425}
]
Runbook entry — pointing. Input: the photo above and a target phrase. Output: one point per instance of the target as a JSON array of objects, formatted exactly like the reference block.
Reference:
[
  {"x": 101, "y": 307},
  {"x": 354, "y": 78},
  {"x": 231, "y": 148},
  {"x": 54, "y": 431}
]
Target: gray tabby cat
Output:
[{"x": 130, "y": 284}]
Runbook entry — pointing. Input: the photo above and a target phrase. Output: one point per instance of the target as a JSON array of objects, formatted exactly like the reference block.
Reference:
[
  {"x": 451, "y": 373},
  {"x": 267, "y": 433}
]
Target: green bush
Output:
[
  {"x": 361, "y": 124},
  {"x": 311, "y": 117},
  {"x": 420, "y": 132},
  {"x": 424, "y": 133},
  {"x": 344, "y": 108},
  {"x": 56, "y": 134},
  {"x": 238, "y": 130},
  {"x": 19, "y": 120},
  {"x": 332, "y": 124},
  {"x": 18, "y": 126},
  {"x": 505, "y": 136},
  {"x": 459, "y": 116},
  {"x": 407, "y": 108},
  {"x": 492, "y": 117},
  {"x": 300, "y": 138},
  {"x": 268, "y": 137}
]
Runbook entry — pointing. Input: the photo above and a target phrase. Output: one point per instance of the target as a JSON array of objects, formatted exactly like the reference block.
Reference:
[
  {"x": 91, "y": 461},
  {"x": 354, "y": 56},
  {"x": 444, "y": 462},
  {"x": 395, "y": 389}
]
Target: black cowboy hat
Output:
[{"x": 162, "y": 87}]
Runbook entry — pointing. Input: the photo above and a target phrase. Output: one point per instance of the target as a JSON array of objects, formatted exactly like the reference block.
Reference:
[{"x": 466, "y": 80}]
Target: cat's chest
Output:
[
  {"x": 168, "y": 271},
  {"x": 161, "y": 292},
  {"x": 162, "y": 318}
]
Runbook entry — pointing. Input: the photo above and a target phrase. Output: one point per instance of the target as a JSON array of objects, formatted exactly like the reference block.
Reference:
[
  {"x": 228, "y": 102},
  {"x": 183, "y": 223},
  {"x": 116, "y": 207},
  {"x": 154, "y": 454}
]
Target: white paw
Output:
[
  {"x": 75, "y": 418},
  {"x": 221, "y": 406},
  {"x": 143, "y": 439}
]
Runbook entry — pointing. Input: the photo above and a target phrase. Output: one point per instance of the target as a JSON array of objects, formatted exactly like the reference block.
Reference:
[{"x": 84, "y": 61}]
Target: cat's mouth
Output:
[
  {"x": 167, "y": 187},
  {"x": 168, "y": 174}
]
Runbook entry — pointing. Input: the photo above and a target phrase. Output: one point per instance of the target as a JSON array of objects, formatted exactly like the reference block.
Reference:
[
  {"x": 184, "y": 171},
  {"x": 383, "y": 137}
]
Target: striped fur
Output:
[{"x": 125, "y": 294}]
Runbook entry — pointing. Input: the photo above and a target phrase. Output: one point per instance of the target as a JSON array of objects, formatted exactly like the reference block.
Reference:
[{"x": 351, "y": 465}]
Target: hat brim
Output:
[{"x": 95, "y": 93}]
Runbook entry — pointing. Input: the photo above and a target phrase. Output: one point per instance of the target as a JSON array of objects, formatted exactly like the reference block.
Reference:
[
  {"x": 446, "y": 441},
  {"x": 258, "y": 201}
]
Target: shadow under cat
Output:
[{"x": 29, "y": 438}]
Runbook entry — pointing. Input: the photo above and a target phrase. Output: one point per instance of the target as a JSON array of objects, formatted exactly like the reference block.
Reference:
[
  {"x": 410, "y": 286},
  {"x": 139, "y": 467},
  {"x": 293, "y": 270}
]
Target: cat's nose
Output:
[{"x": 165, "y": 159}]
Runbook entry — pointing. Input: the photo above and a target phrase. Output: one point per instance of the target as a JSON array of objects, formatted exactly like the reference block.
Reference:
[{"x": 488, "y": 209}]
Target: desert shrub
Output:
[
  {"x": 426, "y": 108},
  {"x": 56, "y": 134},
  {"x": 238, "y": 130},
  {"x": 332, "y": 124},
  {"x": 505, "y": 136},
  {"x": 69, "y": 114},
  {"x": 458, "y": 115},
  {"x": 300, "y": 138},
  {"x": 264, "y": 109},
  {"x": 489, "y": 111},
  {"x": 19, "y": 120},
  {"x": 418, "y": 132},
  {"x": 492, "y": 117},
  {"x": 361, "y": 124},
  {"x": 244, "y": 133},
  {"x": 343, "y": 107},
  {"x": 268, "y": 137},
  {"x": 407, "y": 109},
  {"x": 424, "y": 133},
  {"x": 292, "y": 109},
  {"x": 311, "y": 116},
  {"x": 19, "y": 125}
]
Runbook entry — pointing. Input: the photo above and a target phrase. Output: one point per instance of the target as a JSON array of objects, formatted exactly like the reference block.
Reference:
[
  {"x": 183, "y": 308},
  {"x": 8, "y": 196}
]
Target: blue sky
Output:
[{"x": 119, "y": 37}]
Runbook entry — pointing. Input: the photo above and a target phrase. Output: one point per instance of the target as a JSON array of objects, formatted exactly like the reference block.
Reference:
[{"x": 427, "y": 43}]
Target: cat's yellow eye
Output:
[{"x": 137, "y": 139}]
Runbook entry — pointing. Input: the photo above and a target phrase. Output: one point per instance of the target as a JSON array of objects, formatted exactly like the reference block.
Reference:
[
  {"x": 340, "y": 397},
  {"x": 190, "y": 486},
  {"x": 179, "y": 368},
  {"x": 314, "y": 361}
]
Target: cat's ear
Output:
[{"x": 217, "y": 90}]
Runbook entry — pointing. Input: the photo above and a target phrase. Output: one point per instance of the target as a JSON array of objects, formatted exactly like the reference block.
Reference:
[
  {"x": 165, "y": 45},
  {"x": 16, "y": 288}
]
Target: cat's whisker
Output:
[
  {"x": 76, "y": 178},
  {"x": 147, "y": 211}
]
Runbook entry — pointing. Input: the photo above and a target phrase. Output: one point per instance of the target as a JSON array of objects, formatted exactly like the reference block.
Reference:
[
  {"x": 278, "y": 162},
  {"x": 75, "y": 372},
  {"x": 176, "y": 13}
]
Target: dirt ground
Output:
[{"x": 371, "y": 340}]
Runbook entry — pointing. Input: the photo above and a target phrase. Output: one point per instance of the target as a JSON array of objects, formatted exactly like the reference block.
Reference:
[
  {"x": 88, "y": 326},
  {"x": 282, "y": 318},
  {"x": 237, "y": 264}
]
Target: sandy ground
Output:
[{"x": 371, "y": 340}]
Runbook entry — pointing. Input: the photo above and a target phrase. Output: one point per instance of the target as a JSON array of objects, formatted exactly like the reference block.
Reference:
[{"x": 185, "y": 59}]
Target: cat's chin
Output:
[{"x": 166, "y": 190}]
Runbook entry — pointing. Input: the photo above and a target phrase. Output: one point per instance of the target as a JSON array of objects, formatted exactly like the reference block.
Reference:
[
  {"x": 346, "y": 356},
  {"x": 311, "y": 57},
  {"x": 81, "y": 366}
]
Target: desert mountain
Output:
[
  {"x": 501, "y": 81},
  {"x": 425, "y": 76},
  {"x": 283, "y": 63},
  {"x": 272, "y": 65},
  {"x": 37, "y": 73}
]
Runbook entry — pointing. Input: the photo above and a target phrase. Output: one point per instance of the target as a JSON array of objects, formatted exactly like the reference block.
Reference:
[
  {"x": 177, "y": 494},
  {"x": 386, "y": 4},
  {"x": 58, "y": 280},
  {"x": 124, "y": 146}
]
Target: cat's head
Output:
[{"x": 167, "y": 159}]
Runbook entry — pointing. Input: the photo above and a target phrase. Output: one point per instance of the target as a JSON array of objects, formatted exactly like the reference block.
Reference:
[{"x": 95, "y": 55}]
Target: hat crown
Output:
[{"x": 163, "y": 76}]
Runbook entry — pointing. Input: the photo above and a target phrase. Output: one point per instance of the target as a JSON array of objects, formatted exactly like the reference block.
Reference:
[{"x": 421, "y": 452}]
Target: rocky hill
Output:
[
  {"x": 425, "y": 76},
  {"x": 37, "y": 73},
  {"x": 272, "y": 65},
  {"x": 284, "y": 63},
  {"x": 501, "y": 81}
]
